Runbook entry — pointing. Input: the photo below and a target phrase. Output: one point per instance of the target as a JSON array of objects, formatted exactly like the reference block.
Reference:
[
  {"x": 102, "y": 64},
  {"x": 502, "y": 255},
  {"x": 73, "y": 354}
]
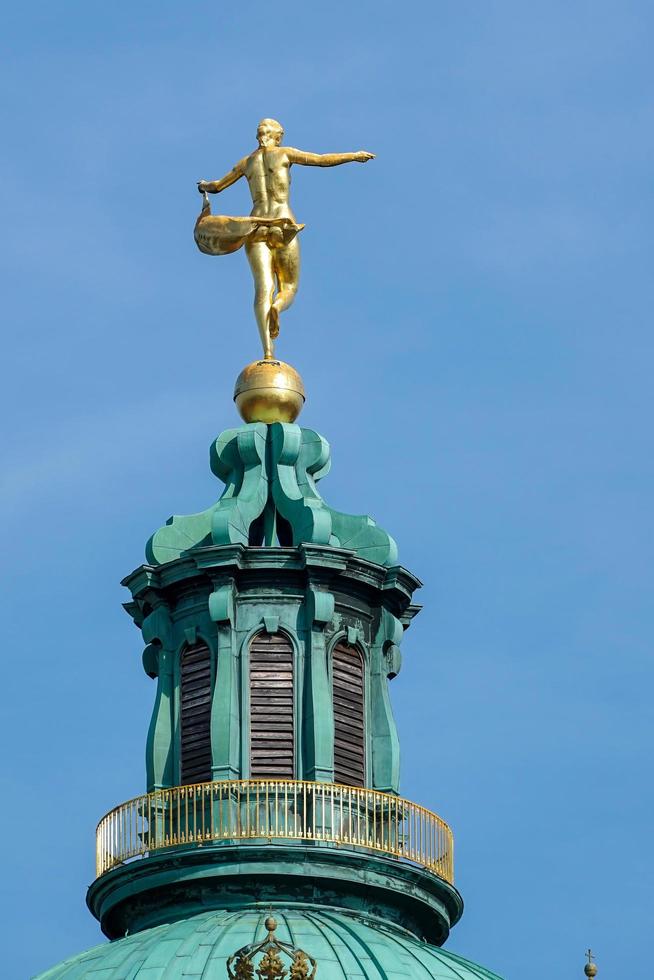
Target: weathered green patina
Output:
[
  {"x": 315, "y": 595},
  {"x": 346, "y": 946},
  {"x": 258, "y": 873},
  {"x": 270, "y": 472},
  {"x": 271, "y": 557}
]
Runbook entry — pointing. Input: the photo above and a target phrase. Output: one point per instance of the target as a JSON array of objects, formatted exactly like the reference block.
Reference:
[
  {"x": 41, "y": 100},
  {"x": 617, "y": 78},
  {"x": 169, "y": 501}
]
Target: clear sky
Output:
[{"x": 474, "y": 329}]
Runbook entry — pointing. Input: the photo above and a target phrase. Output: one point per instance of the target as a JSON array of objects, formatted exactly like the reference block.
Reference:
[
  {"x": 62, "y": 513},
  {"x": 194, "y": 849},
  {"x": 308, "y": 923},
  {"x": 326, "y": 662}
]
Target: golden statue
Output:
[{"x": 269, "y": 234}]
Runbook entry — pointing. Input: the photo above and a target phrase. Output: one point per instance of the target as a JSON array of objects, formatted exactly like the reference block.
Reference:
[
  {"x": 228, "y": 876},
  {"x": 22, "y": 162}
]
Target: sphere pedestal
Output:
[{"x": 269, "y": 391}]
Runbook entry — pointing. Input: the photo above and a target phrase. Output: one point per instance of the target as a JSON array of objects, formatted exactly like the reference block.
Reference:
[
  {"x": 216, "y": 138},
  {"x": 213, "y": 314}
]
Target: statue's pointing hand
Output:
[{"x": 363, "y": 156}]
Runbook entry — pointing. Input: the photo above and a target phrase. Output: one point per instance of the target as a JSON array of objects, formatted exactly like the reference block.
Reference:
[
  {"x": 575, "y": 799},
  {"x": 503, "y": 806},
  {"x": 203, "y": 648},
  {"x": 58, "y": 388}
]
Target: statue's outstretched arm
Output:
[
  {"x": 216, "y": 186},
  {"x": 326, "y": 159}
]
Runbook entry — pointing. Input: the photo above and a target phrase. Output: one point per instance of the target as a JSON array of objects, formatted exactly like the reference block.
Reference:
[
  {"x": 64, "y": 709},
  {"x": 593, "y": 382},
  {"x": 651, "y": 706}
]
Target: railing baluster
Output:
[
  {"x": 212, "y": 822},
  {"x": 333, "y": 802},
  {"x": 204, "y": 794},
  {"x": 323, "y": 813},
  {"x": 349, "y": 819},
  {"x": 374, "y": 820},
  {"x": 295, "y": 810},
  {"x": 337, "y": 828},
  {"x": 305, "y": 828},
  {"x": 361, "y": 839},
  {"x": 223, "y": 805}
]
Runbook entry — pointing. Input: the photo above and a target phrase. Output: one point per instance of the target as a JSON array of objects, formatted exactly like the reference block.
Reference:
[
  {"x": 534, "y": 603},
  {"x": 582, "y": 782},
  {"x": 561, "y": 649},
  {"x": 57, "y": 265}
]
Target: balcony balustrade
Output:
[{"x": 263, "y": 811}]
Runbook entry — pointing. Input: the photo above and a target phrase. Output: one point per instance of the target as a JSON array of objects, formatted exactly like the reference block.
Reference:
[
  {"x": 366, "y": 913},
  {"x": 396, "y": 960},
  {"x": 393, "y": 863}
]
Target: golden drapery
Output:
[{"x": 220, "y": 234}]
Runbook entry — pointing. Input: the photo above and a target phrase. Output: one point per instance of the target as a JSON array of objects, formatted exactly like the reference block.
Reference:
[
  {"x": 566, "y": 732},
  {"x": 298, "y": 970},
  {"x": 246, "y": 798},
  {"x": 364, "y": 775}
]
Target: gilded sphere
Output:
[
  {"x": 590, "y": 969},
  {"x": 269, "y": 391},
  {"x": 270, "y": 924}
]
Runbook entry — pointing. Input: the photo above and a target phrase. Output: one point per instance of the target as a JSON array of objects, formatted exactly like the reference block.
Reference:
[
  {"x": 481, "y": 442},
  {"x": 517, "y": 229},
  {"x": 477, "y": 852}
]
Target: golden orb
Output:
[
  {"x": 590, "y": 970},
  {"x": 270, "y": 923},
  {"x": 269, "y": 391}
]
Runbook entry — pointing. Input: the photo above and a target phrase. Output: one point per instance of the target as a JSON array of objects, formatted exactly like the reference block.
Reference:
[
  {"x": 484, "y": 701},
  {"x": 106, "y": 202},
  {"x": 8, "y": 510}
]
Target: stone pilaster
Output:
[
  {"x": 225, "y": 703},
  {"x": 318, "y": 711}
]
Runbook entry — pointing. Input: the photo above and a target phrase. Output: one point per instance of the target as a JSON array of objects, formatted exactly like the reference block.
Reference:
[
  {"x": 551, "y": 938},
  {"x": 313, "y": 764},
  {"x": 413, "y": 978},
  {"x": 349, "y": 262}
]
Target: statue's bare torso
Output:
[{"x": 268, "y": 173}]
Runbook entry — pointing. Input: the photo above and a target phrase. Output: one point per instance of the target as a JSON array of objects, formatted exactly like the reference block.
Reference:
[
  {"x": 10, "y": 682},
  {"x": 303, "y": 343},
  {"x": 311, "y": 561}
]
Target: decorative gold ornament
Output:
[
  {"x": 269, "y": 391},
  {"x": 240, "y": 966},
  {"x": 300, "y": 967},
  {"x": 271, "y": 966},
  {"x": 244, "y": 969},
  {"x": 269, "y": 234}
]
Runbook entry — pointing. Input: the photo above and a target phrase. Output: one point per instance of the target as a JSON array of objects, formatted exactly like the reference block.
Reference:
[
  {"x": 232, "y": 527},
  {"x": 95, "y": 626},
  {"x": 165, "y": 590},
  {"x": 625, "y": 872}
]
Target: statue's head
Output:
[{"x": 269, "y": 132}]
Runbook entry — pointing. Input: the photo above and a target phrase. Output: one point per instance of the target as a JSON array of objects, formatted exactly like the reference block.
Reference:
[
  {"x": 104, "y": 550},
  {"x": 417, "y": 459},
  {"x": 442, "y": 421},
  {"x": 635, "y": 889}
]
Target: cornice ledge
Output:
[{"x": 324, "y": 556}]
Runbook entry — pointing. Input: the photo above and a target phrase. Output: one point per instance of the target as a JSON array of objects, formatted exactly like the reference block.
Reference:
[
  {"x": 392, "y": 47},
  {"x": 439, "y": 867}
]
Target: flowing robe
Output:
[{"x": 220, "y": 234}]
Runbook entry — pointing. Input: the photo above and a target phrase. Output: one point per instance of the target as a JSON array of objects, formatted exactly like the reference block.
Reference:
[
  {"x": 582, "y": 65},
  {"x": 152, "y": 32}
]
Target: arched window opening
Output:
[
  {"x": 270, "y": 528},
  {"x": 272, "y": 741},
  {"x": 195, "y": 714},
  {"x": 349, "y": 730}
]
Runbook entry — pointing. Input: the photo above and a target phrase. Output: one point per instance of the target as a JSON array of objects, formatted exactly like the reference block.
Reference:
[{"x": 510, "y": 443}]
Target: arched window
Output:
[
  {"x": 272, "y": 742},
  {"x": 349, "y": 731},
  {"x": 195, "y": 714}
]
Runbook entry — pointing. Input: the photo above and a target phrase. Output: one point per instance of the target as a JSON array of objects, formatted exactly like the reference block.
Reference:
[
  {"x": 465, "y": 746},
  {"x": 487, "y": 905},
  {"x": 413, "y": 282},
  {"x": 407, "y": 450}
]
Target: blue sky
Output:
[{"x": 474, "y": 330}]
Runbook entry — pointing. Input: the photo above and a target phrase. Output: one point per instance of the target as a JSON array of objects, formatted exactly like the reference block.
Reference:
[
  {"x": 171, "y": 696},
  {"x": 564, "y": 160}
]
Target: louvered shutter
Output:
[
  {"x": 195, "y": 715},
  {"x": 349, "y": 733},
  {"x": 272, "y": 750}
]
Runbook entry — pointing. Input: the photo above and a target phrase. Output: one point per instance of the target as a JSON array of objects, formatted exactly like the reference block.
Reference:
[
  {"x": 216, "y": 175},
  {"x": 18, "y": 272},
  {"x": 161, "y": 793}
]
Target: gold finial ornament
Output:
[
  {"x": 269, "y": 391},
  {"x": 243, "y": 969},
  {"x": 269, "y": 233},
  {"x": 591, "y": 968},
  {"x": 271, "y": 966},
  {"x": 241, "y": 966},
  {"x": 300, "y": 967}
]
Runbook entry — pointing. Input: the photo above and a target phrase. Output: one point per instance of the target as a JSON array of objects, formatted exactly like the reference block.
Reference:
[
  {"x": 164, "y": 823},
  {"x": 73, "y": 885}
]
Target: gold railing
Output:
[{"x": 267, "y": 810}]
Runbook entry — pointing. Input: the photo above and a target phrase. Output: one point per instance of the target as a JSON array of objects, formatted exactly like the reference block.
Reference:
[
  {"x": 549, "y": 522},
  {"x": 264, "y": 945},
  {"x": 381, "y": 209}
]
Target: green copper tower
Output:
[
  {"x": 271, "y": 838},
  {"x": 272, "y": 625}
]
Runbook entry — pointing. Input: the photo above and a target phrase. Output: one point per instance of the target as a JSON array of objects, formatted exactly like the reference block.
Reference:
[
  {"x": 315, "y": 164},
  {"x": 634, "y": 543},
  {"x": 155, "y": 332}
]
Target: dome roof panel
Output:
[{"x": 345, "y": 946}]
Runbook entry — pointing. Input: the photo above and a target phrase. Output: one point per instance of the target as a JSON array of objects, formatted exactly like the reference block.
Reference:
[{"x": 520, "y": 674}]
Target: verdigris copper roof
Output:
[
  {"x": 343, "y": 945},
  {"x": 271, "y": 468}
]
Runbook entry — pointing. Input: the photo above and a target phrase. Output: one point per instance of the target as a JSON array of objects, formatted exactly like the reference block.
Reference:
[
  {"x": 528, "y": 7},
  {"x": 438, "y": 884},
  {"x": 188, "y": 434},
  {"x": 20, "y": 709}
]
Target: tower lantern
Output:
[{"x": 272, "y": 835}]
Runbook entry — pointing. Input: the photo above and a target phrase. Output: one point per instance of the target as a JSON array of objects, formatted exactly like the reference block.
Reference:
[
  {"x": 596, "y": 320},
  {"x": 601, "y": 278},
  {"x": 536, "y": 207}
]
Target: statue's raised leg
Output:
[
  {"x": 261, "y": 264},
  {"x": 287, "y": 269}
]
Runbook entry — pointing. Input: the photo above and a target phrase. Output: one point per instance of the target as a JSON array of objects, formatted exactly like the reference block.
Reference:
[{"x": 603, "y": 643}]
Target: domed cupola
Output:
[{"x": 272, "y": 625}]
